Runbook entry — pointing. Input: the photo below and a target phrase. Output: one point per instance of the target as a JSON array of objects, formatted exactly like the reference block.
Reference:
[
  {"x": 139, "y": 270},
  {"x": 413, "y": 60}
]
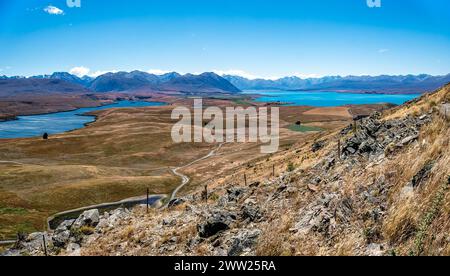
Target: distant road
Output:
[
  {"x": 13, "y": 162},
  {"x": 7, "y": 242},
  {"x": 185, "y": 179}
]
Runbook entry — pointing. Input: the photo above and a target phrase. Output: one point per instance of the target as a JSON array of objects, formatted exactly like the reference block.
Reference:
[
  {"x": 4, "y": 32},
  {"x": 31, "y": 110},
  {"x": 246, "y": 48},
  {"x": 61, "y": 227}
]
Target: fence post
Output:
[
  {"x": 339, "y": 148},
  {"x": 273, "y": 170},
  {"x": 245, "y": 179},
  {"x": 148, "y": 200},
  {"x": 45, "y": 245},
  {"x": 206, "y": 193}
]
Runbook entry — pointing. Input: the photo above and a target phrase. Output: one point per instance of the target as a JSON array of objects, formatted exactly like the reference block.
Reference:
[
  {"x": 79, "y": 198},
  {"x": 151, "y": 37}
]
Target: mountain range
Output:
[
  {"x": 213, "y": 83},
  {"x": 369, "y": 84}
]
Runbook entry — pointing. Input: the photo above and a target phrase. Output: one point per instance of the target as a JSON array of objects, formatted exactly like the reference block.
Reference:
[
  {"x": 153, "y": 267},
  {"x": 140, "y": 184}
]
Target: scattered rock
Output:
[
  {"x": 245, "y": 239},
  {"x": 251, "y": 212},
  {"x": 422, "y": 175},
  {"x": 65, "y": 225},
  {"x": 73, "y": 249},
  {"x": 61, "y": 238},
  {"x": 409, "y": 139},
  {"x": 235, "y": 193},
  {"x": 318, "y": 146},
  {"x": 218, "y": 221},
  {"x": 89, "y": 218}
]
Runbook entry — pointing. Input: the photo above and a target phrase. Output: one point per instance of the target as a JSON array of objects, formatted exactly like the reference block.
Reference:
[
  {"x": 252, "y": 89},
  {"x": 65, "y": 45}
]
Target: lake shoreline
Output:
[
  {"x": 325, "y": 98},
  {"x": 84, "y": 112}
]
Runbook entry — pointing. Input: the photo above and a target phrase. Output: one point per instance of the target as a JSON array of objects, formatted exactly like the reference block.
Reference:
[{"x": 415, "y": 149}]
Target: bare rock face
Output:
[{"x": 373, "y": 136}]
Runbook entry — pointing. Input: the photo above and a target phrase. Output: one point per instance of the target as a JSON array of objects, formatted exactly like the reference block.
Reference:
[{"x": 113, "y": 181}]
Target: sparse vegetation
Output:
[
  {"x": 290, "y": 167},
  {"x": 429, "y": 217}
]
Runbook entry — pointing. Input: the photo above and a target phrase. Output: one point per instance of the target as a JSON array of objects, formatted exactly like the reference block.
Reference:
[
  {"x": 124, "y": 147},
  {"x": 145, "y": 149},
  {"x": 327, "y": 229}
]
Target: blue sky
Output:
[{"x": 254, "y": 38}]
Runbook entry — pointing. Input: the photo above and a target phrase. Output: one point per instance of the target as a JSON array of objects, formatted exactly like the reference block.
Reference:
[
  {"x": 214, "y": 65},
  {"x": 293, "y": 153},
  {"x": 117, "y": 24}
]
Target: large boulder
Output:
[
  {"x": 251, "y": 211},
  {"x": 217, "y": 222},
  {"x": 89, "y": 218},
  {"x": 235, "y": 193},
  {"x": 243, "y": 241},
  {"x": 61, "y": 238}
]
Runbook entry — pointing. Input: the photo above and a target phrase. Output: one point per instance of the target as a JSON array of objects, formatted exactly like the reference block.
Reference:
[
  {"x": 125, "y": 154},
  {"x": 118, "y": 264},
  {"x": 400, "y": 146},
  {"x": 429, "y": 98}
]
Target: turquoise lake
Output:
[
  {"x": 326, "y": 99},
  {"x": 53, "y": 123}
]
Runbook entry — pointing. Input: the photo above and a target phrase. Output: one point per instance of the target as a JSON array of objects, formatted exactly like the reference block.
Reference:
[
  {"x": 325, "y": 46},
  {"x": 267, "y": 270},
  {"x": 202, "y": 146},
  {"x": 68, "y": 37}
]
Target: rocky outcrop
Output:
[
  {"x": 374, "y": 136},
  {"x": 89, "y": 218},
  {"x": 216, "y": 222}
]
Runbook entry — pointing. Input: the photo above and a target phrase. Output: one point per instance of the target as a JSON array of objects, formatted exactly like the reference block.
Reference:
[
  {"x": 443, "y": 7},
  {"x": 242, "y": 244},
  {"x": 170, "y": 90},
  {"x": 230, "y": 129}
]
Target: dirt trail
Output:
[{"x": 185, "y": 178}]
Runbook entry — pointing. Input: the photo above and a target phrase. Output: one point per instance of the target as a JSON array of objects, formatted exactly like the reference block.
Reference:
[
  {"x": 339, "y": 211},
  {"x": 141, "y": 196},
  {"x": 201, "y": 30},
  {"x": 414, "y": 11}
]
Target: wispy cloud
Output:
[
  {"x": 158, "y": 71},
  {"x": 382, "y": 51},
  {"x": 251, "y": 76},
  {"x": 99, "y": 73},
  {"x": 82, "y": 71},
  {"x": 53, "y": 10},
  {"x": 237, "y": 72}
]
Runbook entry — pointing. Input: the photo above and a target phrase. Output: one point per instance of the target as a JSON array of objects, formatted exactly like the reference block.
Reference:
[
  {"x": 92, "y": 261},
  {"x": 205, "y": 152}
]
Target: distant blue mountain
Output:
[
  {"x": 124, "y": 81},
  {"x": 211, "y": 82},
  {"x": 378, "y": 84}
]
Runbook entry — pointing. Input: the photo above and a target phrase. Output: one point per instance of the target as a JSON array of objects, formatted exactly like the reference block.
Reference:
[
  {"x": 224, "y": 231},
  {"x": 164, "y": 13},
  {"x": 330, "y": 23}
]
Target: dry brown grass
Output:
[{"x": 275, "y": 239}]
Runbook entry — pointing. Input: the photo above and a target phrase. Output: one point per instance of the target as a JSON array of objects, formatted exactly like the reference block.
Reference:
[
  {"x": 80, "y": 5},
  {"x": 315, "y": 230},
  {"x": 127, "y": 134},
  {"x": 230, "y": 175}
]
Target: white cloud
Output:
[
  {"x": 53, "y": 10},
  {"x": 80, "y": 71},
  {"x": 382, "y": 51},
  {"x": 158, "y": 72},
  {"x": 252, "y": 76},
  {"x": 307, "y": 76},
  {"x": 99, "y": 73},
  {"x": 236, "y": 72}
]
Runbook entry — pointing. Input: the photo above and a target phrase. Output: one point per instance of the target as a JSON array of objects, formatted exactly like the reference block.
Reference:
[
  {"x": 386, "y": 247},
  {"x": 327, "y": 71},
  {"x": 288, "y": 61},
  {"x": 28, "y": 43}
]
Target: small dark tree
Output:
[
  {"x": 298, "y": 123},
  {"x": 45, "y": 136}
]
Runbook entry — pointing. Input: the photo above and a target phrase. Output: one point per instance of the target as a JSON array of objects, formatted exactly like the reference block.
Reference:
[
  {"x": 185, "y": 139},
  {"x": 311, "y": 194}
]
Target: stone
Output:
[
  {"x": 422, "y": 175},
  {"x": 255, "y": 184},
  {"x": 409, "y": 139},
  {"x": 217, "y": 222},
  {"x": 317, "y": 146},
  {"x": 243, "y": 241},
  {"x": 169, "y": 222},
  {"x": 235, "y": 193},
  {"x": 65, "y": 225},
  {"x": 89, "y": 218},
  {"x": 117, "y": 215},
  {"x": 73, "y": 247},
  {"x": 60, "y": 239},
  {"x": 374, "y": 249},
  {"x": 251, "y": 212}
]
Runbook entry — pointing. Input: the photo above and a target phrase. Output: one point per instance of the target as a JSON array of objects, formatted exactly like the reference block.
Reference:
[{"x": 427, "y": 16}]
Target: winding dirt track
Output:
[{"x": 184, "y": 178}]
